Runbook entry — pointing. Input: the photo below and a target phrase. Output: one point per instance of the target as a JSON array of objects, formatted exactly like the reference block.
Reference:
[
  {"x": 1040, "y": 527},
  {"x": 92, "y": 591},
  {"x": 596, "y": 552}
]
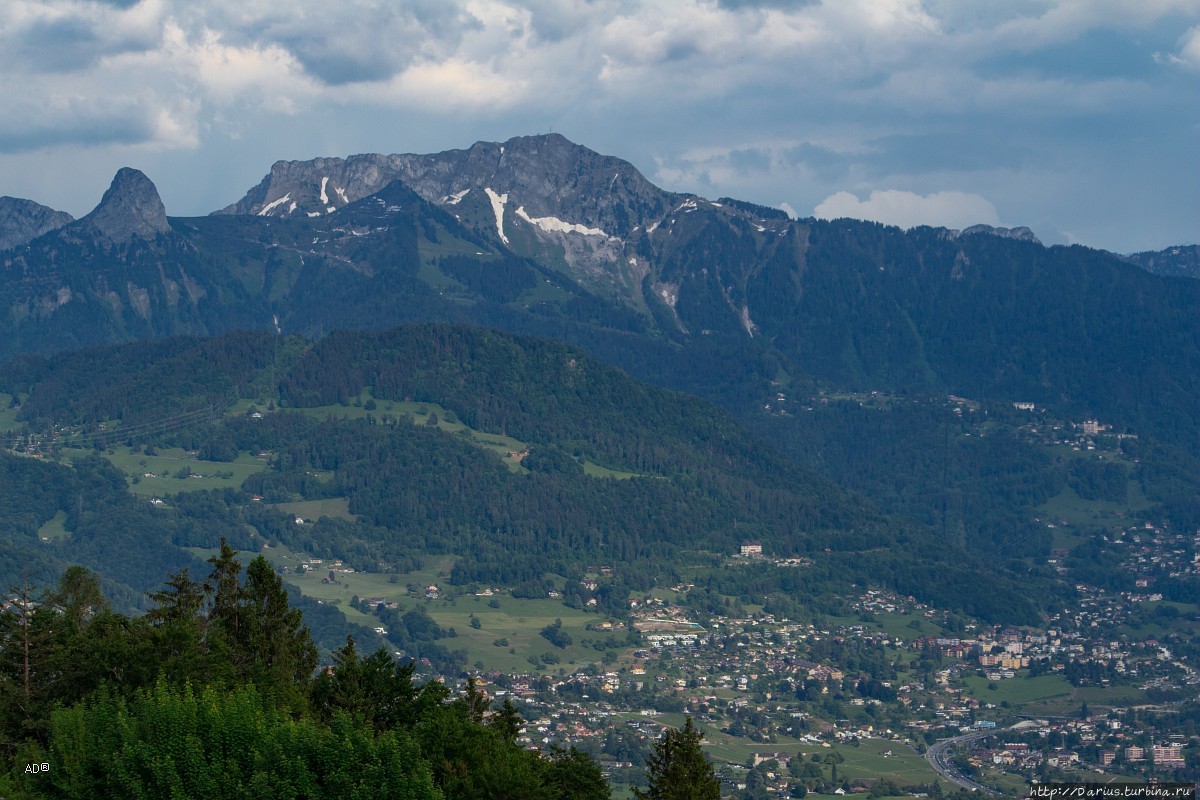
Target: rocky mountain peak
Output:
[
  {"x": 1020, "y": 233},
  {"x": 130, "y": 208},
  {"x": 22, "y": 221},
  {"x": 547, "y": 175}
]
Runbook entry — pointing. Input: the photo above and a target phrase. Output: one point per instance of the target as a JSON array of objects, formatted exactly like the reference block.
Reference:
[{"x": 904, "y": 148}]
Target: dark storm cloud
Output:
[
  {"x": 336, "y": 65},
  {"x": 1042, "y": 109},
  {"x": 23, "y": 135},
  {"x": 68, "y": 43},
  {"x": 59, "y": 45}
]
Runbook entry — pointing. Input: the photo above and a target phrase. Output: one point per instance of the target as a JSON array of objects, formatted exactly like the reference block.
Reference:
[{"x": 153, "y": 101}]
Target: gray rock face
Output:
[
  {"x": 1020, "y": 233},
  {"x": 22, "y": 221},
  {"x": 130, "y": 208},
  {"x": 551, "y": 178},
  {"x": 539, "y": 195}
]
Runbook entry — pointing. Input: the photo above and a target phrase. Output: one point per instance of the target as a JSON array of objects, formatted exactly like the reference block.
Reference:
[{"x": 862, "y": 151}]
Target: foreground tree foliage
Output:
[
  {"x": 215, "y": 693},
  {"x": 679, "y": 770},
  {"x": 219, "y": 743}
]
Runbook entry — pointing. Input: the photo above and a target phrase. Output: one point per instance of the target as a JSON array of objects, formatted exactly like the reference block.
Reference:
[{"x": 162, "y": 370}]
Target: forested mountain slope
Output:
[
  {"x": 695, "y": 484},
  {"x": 544, "y": 237}
]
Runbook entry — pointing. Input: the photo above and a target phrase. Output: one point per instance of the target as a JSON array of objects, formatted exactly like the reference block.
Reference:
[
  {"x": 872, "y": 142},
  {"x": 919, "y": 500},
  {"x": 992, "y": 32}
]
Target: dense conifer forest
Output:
[{"x": 214, "y": 693}]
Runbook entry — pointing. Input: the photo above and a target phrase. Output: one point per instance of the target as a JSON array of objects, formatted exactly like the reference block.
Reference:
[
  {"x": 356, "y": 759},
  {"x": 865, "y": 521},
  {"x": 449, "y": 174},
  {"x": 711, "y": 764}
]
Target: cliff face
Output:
[
  {"x": 22, "y": 221},
  {"x": 130, "y": 208}
]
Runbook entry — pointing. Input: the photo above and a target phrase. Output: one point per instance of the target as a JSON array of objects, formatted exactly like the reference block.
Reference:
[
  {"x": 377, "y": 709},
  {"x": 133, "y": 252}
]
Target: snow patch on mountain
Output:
[
  {"x": 498, "y": 201},
  {"x": 274, "y": 203},
  {"x": 456, "y": 198},
  {"x": 556, "y": 224},
  {"x": 324, "y": 196}
]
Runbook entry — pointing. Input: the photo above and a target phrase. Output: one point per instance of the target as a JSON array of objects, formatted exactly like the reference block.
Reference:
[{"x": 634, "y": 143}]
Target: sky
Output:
[{"x": 1077, "y": 118}]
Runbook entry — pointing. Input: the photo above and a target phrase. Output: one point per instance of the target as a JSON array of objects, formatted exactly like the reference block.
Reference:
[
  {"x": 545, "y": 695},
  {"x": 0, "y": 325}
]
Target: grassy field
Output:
[
  {"x": 1157, "y": 627},
  {"x": 8, "y": 416},
  {"x": 898, "y": 626},
  {"x": 545, "y": 292},
  {"x": 1095, "y": 696},
  {"x": 419, "y": 414},
  {"x": 333, "y": 507},
  {"x": 53, "y": 527},
  {"x": 866, "y": 761},
  {"x": 519, "y": 621},
  {"x": 167, "y": 465},
  {"x": 1078, "y": 512},
  {"x": 1018, "y": 691},
  {"x": 1051, "y": 695}
]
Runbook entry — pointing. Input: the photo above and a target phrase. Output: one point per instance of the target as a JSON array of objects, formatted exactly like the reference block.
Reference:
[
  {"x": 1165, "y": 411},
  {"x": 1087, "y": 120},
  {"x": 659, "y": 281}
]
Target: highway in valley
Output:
[{"x": 940, "y": 755}]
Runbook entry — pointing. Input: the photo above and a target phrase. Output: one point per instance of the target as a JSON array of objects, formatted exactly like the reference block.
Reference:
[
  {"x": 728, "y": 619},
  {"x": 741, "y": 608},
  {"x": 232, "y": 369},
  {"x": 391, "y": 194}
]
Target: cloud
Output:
[
  {"x": 452, "y": 84},
  {"x": 1189, "y": 51},
  {"x": 775, "y": 58},
  {"x": 907, "y": 210},
  {"x": 758, "y": 99}
]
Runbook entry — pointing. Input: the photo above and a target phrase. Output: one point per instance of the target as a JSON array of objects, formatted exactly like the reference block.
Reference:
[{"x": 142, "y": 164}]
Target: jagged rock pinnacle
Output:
[{"x": 131, "y": 207}]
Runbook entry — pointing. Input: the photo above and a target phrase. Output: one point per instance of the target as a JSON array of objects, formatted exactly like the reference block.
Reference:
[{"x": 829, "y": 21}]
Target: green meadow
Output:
[
  {"x": 172, "y": 470},
  {"x": 8, "y": 415},
  {"x": 516, "y": 621},
  {"x": 871, "y": 759},
  {"x": 1018, "y": 691}
]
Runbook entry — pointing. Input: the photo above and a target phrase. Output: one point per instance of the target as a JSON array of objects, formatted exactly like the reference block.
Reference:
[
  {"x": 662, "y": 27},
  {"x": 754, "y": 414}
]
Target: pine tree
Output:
[
  {"x": 226, "y": 591},
  {"x": 679, "y": 770},
  {"x": 178, "y": 627},
  {"x": 274, "y": 646},
  {"x": 572, "y": 775}
]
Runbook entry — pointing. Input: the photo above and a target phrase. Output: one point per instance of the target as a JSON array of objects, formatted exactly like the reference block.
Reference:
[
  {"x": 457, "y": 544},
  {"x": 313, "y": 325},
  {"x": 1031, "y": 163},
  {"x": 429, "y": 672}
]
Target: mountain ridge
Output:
[
  {"x": 22, "y": 221},
  {"x": 729, "y": 292},
  {"x": 1180, "y": 261}
]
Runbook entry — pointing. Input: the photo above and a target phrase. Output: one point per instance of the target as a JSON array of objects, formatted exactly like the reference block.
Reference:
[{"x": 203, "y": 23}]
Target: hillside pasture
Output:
[
  {"x": 332, "y": 507},
  {"x": 172, "y": 470},
  {"x": 519, "y": 620}
]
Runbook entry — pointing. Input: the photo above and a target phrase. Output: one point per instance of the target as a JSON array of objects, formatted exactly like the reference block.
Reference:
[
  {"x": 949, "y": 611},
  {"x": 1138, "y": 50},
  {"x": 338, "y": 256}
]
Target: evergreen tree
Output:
[
  {"x": 507, "y": 720},
  {"x": 377, "y": 690},
  {"x": 225, "y": 589},
  {"x": 572, "y": 775},
  {"x": 274, "y": 645},
  {"x": 177, "y": 624},
  {"x": 678, "y": 768}
]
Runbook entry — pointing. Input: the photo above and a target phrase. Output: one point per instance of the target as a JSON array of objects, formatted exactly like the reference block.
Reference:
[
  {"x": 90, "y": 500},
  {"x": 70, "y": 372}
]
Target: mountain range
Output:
[
  {"x": 769, "y": 316},
  {"x": 539, "y": 235}
]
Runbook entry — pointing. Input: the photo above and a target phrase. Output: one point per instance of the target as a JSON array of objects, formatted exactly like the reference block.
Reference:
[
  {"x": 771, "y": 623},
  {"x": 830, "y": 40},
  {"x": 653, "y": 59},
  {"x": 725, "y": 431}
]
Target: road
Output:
[{"x": 939, "y": 757}]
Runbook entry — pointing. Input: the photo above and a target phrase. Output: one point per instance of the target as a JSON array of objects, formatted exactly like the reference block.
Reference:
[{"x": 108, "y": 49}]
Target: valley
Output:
[
  {"x": 773, "y": 674},
  {"x": 624, "y": 457}
]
